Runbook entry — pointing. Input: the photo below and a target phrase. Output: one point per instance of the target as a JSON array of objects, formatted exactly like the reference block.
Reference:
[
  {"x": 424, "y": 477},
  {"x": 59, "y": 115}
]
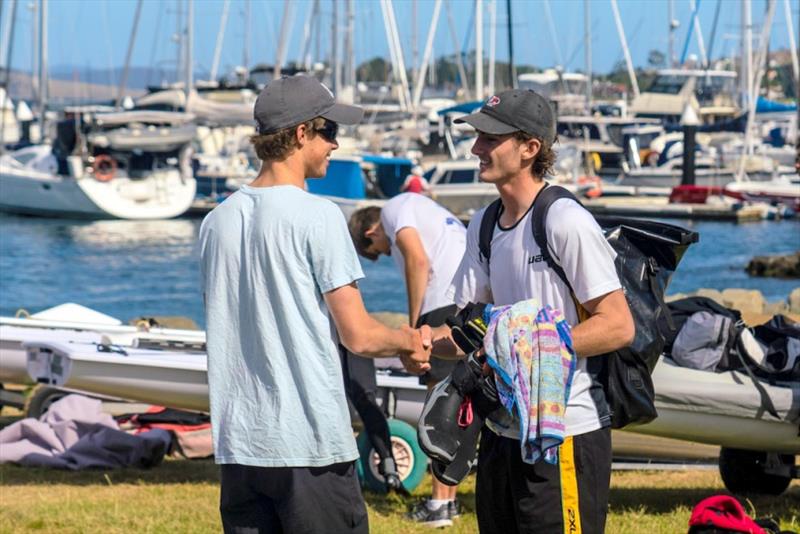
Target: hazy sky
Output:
[{"x": 95, "y": 33}]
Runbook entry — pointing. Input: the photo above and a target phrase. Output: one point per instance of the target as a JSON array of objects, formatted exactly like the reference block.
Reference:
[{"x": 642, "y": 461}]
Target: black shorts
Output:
[
  {"x": 292, "y": 499},
  {"x": 440, "y": 368},
  {"x": 570, "y": 496}
]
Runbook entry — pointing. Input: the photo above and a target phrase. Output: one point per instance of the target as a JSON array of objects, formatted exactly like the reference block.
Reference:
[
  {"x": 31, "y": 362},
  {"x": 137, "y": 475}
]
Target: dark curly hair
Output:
[
  {"x": 361, "y": 221},
  {"x": 545, "y": 159},
  {"x": 279, "y": 145}
]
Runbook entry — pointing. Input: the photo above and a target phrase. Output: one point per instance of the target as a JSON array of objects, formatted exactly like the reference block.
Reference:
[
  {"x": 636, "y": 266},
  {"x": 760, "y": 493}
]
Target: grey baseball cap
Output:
[
  {"x": 515, "y": 110},
  {"x": 291, "y": 100}
]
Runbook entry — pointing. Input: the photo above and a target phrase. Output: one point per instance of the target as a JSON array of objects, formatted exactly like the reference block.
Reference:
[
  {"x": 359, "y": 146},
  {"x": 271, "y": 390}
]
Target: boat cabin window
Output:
[
  {"x": 667, "y": 84},
  {"x": 576, "y": 130},
  {"x": 464, "y": 176}
]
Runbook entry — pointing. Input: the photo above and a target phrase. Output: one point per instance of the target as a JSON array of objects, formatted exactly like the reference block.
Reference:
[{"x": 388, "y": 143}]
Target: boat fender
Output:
[
  {"x": 104, "y": 167},
  {"x": 596, "y": 187},
  {"x": 652, "y": 158}
]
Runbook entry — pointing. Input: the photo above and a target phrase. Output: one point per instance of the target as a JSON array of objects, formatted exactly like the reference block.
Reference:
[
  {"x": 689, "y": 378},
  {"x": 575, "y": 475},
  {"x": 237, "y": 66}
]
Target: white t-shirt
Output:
[
  {"x": 518, "y": 272},
  {"x": 443, "y": 238}
]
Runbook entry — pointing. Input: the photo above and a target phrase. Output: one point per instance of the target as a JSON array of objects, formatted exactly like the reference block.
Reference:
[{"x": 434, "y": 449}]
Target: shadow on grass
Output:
[
  {"x": 388, "y": 504},
  {"x": 666, "y": 500},
  {"x": 169, "y": 472}
]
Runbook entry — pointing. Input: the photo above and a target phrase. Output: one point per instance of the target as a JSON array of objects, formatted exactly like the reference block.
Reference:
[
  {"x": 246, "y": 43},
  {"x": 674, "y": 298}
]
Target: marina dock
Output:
[{"x": 660, "y": 208}]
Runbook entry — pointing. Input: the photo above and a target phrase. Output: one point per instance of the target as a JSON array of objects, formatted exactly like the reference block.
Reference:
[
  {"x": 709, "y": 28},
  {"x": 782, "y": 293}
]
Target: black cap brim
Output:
[
  {"x": 344, "y": 114},
  {"x": 484, "y": 123}
]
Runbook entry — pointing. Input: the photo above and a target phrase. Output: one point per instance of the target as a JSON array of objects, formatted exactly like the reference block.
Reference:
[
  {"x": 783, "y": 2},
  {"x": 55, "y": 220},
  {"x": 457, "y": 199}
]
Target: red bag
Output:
[{"x": 721, "y": 514}]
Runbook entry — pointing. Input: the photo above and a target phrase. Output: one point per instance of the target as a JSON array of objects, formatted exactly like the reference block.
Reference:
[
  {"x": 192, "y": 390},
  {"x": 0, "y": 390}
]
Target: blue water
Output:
[{"x": 129, "y": 269}]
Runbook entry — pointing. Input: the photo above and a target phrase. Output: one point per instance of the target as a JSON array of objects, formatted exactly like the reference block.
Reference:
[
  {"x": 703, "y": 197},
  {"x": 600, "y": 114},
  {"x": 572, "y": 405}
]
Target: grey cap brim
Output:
[
  {"x": 484, "y": 123},
  {"x": 344, "y": 114}
]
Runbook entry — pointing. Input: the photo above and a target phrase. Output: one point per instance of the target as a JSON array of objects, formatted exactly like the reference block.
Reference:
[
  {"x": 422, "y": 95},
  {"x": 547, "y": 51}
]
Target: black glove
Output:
[
  {"x": 468, "y": 327},
  {"x": 468, "y": 378}
]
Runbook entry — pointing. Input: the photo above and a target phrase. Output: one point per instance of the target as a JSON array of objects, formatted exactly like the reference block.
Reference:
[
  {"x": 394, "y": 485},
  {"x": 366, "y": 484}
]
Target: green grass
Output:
[{"x": 182, "y": 496}]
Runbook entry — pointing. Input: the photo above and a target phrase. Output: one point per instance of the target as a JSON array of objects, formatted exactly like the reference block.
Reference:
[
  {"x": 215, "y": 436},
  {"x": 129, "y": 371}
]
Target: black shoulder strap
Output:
[
  {"x": 488, "y": 222},
  {"x": 541, "y": 206}
]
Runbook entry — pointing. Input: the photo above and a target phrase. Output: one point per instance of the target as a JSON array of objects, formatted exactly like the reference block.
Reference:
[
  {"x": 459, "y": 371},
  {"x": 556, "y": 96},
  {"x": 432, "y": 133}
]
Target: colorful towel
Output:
[{"x": 530, "y": 350}]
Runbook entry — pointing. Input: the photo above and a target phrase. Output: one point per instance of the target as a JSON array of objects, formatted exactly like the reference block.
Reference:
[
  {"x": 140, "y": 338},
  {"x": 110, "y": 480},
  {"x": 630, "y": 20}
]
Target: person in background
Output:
[
  {"x": 415, "y": 182},
  {"x": 427, "y": 243},
  {"x": 279, "y": 278}
]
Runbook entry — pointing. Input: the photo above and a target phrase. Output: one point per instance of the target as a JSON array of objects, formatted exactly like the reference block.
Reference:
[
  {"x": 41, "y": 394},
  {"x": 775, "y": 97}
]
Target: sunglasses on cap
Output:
[{"x": 328, "y": 131}]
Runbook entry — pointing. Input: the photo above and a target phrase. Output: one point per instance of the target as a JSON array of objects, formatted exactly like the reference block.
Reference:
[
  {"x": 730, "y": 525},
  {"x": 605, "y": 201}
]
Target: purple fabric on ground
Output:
[{"x": 75, "y": 434}]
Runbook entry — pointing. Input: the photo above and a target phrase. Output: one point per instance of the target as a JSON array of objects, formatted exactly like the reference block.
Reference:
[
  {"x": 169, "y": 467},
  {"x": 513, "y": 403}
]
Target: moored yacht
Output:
[{"x": 125, "y": 165}]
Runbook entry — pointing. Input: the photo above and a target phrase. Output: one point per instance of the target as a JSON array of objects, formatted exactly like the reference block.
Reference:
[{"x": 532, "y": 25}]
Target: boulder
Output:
[
  {"x": 779, "y": 307},
  {"x": 794, "y": 300},
  {"x": 781, "y": 266},
  {"x": 713, "y": 294},
  {"x": 676, "y": 296},
  {"x": 391, "y": 319},
  {"x": 165, "y": 321},
  {"x": 743, "y": 300}
]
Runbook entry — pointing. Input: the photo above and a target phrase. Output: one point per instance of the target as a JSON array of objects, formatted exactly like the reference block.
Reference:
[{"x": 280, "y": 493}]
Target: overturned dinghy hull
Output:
[
  {"x": 713, "y": 408},
  {"x": 72, "y": 323},
  {"x": 166, "y": 378},
  {"x": 723, "y": 409}
]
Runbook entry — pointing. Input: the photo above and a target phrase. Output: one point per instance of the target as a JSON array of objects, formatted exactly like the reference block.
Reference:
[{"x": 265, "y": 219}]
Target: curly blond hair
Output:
[{"x": 279, "y": 145}]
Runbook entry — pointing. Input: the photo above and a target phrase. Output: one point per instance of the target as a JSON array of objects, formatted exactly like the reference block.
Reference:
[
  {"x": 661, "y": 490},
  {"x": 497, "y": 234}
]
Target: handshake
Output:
[
  {"x": 465, "y": 330},
  {"x": 417, "y": 357}
]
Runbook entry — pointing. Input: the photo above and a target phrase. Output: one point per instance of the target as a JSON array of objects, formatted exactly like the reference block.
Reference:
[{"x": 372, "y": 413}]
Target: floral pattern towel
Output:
[{"x": 530, "y": 350}]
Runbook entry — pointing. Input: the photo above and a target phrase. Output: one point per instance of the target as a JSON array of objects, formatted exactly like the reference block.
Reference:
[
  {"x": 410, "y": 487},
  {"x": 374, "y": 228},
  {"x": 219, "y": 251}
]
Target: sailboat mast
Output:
[
  {"x": 479, "y": 49},
  {"x": 220, "y": 38},
  {"x": 587, "y": 43},
  {"x": 672, "y": 28},
  {"x": 625, "y": 50},
  {"x": 284, "y": 36},
  {"x": 124, "y": 79},
  {"x": 426, "y": 55},
  {"x": 492, "y": 42},
  {"x": 350, "y": 49},
  {"x": 512, "y": 70},
  {"x": 9, "y": 46},
  {"x": 246, "y": 51},
  {"x": 189, "y": 47},
  {"x": 746, "y": 81},
  {"x": 43, "y": 82},
  {"x": 335, "y": 47},
  {"x": 792, "y": 46}
]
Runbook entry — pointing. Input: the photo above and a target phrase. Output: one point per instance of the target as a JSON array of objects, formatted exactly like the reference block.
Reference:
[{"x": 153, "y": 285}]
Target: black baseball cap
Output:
[
  {"x": 292, "y": 100},
  {"x": 515, "y": 110}
]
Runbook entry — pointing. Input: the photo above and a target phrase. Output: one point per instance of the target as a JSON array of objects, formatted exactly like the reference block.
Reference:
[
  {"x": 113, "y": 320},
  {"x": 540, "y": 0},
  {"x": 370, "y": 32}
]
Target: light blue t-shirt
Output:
[{"x": 275, "y": 380}]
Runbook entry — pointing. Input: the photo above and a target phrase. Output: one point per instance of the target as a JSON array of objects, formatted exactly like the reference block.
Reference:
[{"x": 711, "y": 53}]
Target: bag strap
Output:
[
  {"x": 739, "y": 350},
  {"x": 541, "y": 206},
  {"x": 488, "y": 222}
]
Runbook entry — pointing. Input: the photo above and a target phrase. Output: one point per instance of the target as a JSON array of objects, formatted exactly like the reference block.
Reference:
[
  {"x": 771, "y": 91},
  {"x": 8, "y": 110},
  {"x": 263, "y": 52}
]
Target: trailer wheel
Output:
[
  {"x": 412, "y": 463},
  {"x": 743, "y": 471},
  {"x": 41, "y": 399}
]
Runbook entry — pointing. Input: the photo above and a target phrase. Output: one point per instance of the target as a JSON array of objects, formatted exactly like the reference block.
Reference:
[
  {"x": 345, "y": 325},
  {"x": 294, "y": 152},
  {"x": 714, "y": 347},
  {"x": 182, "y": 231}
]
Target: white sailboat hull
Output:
[{"x": 162, "y": 194}]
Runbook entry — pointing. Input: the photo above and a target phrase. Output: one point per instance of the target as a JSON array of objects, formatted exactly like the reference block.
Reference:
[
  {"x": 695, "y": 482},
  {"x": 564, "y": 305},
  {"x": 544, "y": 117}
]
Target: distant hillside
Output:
[{"x": 71, "y": 84}]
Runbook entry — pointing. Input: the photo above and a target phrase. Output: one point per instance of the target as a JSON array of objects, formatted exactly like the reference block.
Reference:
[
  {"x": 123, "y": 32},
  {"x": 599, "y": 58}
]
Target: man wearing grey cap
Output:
[
  {"x": 279, "y": 276},
  {"x": 516, "y": 131}
]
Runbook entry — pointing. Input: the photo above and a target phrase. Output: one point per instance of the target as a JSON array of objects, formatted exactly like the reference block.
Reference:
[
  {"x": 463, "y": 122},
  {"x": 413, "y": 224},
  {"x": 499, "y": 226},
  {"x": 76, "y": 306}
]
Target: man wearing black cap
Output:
[
  {"x": 279, "y": 279},
  {"x": 516, "y": 130}
]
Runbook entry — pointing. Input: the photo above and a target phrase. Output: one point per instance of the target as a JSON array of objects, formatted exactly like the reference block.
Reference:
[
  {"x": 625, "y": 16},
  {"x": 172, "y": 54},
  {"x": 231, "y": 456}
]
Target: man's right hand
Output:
[{"x": 416, "y": 361}]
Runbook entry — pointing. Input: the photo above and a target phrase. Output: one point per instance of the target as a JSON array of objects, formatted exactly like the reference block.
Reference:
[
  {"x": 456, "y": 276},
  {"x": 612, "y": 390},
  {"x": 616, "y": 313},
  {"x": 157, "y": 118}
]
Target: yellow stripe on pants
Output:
[{"x": 569, "y": 488}]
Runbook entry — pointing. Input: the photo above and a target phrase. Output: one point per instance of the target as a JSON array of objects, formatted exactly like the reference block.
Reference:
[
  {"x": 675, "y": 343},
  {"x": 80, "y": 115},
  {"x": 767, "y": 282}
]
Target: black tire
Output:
[
  {"x": 41, "y": 399},
  {"x": 742, "y": 471},
  {"x": 412, "y": 463}
]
